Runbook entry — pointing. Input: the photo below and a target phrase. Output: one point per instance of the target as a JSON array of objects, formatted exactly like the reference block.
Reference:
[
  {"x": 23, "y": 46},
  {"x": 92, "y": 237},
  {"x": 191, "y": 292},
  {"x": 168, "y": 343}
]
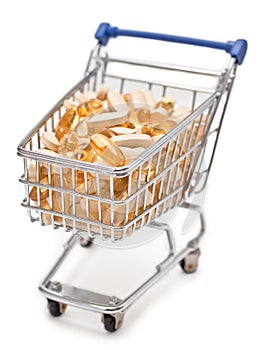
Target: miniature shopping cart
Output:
[{"x": 183, "y": 158}]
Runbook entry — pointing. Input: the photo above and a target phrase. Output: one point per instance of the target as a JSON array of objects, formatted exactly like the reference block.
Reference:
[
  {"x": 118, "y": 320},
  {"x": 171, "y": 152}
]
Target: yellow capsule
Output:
[
  {"x": 86, "y": 155},
  {"x": 87, "y": 109},
  {"x": 69, "y": 144},
  {"x": 107, "y": 150},
  {"x": 140, "y": 116},
  {"x": 152, "y": 130},
  {"x": 126, "y": 125},
  {"x": 108, "y": 133},
  {"x": 166, "y": 103},
  {"x": 67, "y": 122}
]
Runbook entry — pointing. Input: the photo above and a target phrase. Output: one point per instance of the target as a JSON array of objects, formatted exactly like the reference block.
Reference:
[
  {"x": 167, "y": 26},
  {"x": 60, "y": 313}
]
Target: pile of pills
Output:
[{"x": 108, "y": 128}]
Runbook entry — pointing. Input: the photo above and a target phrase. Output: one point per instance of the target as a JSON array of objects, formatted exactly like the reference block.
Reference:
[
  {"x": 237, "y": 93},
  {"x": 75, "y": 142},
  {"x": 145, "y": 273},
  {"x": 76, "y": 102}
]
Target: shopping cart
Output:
[{"x": 182, "y": 161}]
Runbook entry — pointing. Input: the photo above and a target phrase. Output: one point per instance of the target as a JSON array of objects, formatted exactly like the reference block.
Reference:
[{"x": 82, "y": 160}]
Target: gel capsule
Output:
[
  {"x": 87, "y": 109},
  {"x": 140, "y": 116},
  {"x": 152, "y": 130},
  {"x": 108, "y": 133},
  {"x": 69, "y": 144},
  {"x": 67, "y": 122},
  {"x": 166, "y": 103},
  {"x": 107, "y": 150},
  {"x": 43, "y": 192}
]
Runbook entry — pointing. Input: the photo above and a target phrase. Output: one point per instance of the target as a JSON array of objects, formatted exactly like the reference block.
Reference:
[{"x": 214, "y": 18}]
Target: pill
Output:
[
  {"x": 152, "y": 131},
  {"x": 31, "y": 166},
  {"x": 167, "y": 103},
  {"x": 165, "y": 125},
  {"x": 148, "y": 95},
  {"x": 108, "y": 132},
  {"x": 134, "y": 140},
  {"x": 68, "y": 104},
  {"x": 116, "y": 102},
  {"x": 102, "y": 92},
  {"x": 180, "y": 113},
  {"x": 88, "y": 108},
  {"x": 81, "y": 128},
  {"x": 159, "y": 114},
  {"x": 107, "y": 120},
  {"x": 50, "y": 141},
  {"x": 139, "y": 116},
  {"x": 85, "y": 153},
  {"x": 46, "y": 218},
  {"x": 156, "y": 138},
  {"x": 69, "y": 144},
  {"x": 128, "y": 99},
  {"x": 138, "y": 99},
  {"x": 118, "y": 130},
  {"x": 107, "y": 150},
  {"x": 84, "y": 97},
  {"x": 67, "y": 122},
  {"x": 43, "y": 192}
]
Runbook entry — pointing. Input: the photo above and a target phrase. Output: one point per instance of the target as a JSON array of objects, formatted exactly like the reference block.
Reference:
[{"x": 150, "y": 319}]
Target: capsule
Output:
[
  {"x": 67, "y": 122},
  {"x": 165, "y": 125},
  {"x": 88, "y": 108},
  {"x": 167, "y": 103},
  {"x": 85, "y": 153},
  {"x": 152, "y": 130},
  {"x": 107, "y": 150},
  {"x": 43, "y": 192},
  {"x": 108, "y": 133},
  {"x": 128, "y": 125},
  {"x": 139, "y": 116},
  {"x": 69, "y": 144}
]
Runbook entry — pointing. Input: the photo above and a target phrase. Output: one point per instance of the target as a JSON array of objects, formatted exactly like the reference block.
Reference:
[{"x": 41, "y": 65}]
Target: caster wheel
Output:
[
  {"x": 112, "y": 322},
  {"x": 109, "y": 323},
  {"x": 84, "y": 242},
  {"x": 190, "y": 263},
  {"x": 55, "y": 308}
]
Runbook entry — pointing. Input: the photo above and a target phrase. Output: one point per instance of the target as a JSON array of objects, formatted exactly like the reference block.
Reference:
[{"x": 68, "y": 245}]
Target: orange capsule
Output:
[
  {"x": 152, "y": 130},
  {"x": 108, "y": 133},
  {"x": 126, "y": 125},
  {"x": 140, "y": 116},
  {"x": 85, "y": 153},
  {"x": 67, "y": 122},
  {"x": 43, "y": 192},
  {"x": 107, "y": 150},
  {"x": 87, "y": 109},
  {"x": 166, "y": 103}
]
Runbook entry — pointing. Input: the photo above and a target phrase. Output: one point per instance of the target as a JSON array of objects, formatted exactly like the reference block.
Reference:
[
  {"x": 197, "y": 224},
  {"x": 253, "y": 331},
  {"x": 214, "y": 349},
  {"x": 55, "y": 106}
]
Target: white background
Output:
[{"x": 44, "y": 48}]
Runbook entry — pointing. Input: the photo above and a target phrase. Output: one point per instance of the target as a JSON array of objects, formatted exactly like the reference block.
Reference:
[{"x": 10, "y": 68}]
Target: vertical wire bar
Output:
[
  {"x": 87, "y": 201},
  {"x": 122, "y": 85},
  {"x": 50, "y": 192},
  {"x": 73, "y": 199},
  {"x": 62, "y": 196},
  {"x": 193, "y": 100},
  {"x": 112, "y": 214}
]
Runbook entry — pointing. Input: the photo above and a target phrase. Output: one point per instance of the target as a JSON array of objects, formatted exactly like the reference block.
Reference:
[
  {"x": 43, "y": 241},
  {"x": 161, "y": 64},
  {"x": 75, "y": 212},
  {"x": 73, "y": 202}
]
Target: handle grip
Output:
[{"x": 237, "y": 49}]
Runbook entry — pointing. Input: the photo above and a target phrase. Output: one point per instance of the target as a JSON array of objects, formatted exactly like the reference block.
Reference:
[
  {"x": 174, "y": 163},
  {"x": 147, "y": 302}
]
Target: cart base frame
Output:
[{"x": 112, "y": 308}]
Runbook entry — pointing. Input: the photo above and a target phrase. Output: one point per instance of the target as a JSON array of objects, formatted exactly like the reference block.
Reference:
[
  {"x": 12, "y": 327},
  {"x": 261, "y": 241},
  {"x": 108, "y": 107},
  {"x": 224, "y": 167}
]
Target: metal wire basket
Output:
[{"x": 117, "y": 201}]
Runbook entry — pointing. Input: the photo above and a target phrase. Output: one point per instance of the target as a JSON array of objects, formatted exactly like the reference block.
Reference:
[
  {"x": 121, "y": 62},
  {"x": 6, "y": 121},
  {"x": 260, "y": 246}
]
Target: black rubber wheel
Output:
[
  {"x": 85, "y": 243},
  {"x": 109, "y": 323},
  {"x": 55, "y": 308}
]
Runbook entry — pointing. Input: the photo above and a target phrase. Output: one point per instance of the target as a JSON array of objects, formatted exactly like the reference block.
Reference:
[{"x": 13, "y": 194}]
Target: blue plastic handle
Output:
[{"x": 237, "y": 49}]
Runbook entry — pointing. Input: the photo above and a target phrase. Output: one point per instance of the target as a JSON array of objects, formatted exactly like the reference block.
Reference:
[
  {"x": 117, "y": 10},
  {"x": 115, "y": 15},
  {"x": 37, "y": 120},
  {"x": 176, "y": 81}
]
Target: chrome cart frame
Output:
[{"x": 208, "y": 106}]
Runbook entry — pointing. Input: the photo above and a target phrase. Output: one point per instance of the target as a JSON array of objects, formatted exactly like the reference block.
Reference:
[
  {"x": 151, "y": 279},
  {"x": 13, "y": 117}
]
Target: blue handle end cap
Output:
[
  {"x": 104, "y": 32},
  {"x": 238, "y": 50}
]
